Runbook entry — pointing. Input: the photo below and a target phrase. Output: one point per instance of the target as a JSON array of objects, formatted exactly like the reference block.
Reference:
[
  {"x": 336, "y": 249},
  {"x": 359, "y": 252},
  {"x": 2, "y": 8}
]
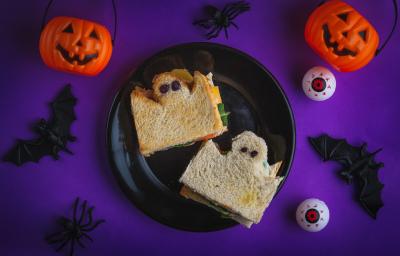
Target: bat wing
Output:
[
  {"x": 336, "y": 149},
  {"x": 371, "y": 187},
  {"x": 325, "y": 145},
  {"x": 29, "y": 151},
  {"x": 63, "y": 112}
]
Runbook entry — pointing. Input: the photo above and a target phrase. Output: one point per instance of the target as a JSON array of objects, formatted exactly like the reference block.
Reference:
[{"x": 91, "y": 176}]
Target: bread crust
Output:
[
  {"x": 163, "y": 120},
  {"x": 236, "y": 181}
]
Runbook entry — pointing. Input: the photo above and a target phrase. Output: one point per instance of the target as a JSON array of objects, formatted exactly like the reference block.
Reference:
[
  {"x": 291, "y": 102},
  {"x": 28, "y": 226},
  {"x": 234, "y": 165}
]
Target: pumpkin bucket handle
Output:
[
  {"x": 393, "y": 28},
  {"x": 114, "y": 11}
]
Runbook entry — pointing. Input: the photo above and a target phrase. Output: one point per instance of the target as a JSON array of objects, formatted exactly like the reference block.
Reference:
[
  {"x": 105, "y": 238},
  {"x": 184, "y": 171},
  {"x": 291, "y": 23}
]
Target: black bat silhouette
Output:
[
  {"x": 54, "y": 134},
  {"x": 359, "y": 166}
]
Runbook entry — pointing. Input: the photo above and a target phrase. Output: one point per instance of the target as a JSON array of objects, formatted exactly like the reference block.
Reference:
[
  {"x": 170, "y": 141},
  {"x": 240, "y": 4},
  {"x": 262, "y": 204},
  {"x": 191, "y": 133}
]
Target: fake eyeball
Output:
[
  {"x": 312, "y": 215},
  {"x": 319, "y": 83}
]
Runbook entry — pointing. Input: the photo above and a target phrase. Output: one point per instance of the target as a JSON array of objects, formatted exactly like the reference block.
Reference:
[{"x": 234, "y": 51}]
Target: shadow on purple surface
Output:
[
  {"x": 294, "y": 20},
  {"x": 290, "y": 211},
  {"x": 24, "y": 33}
]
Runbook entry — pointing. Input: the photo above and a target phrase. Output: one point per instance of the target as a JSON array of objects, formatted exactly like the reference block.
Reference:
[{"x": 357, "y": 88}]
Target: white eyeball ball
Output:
[
  {"x": 319, "y": 83},
  {"x": 312, "y": 215}
]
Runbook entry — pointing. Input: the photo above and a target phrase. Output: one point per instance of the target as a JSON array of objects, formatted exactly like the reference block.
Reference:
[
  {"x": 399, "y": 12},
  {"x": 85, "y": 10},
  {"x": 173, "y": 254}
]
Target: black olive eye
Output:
[
  {"x": 253, "y": 153},
  {"x": 363, "y": 35},
  {"x": 68, "y": 29},
  {"x": 175, "y": 85},
  {"x": 244, "y": 149},
  {"x": 94, "y": 35},
  {"x": 164, "y": 88},
  {"x": 343, "y": 16}
]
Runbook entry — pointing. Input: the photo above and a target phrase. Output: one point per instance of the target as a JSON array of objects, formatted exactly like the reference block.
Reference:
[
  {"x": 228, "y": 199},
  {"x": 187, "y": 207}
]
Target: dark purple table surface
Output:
[{"x": 365, "y": 107}]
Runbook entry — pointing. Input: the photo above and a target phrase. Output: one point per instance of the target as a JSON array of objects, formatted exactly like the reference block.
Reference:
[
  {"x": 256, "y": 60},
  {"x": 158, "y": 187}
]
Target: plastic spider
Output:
[
  {"x": 222, "y": 19},
  {"x": 74, "y": 230}
]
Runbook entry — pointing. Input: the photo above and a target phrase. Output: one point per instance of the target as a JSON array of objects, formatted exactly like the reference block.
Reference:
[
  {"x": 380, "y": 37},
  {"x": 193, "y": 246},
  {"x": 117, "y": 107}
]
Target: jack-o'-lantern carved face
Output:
[
  {"x": 75, "y": 45},
  {"x": 341, "y": 36}
]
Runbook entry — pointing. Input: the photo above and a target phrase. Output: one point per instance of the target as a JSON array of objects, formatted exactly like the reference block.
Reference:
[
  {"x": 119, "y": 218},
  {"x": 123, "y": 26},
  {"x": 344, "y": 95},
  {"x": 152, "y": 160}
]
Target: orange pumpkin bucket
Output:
[
  {"x": 342, "y": 36},
  {"x": 76, "y": 45}
]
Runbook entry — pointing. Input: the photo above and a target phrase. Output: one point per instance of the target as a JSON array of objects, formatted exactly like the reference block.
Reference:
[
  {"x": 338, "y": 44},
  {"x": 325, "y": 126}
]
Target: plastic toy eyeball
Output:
[
  {"x": 319, "y": 83},
  {"x": 312, "y": 215}
]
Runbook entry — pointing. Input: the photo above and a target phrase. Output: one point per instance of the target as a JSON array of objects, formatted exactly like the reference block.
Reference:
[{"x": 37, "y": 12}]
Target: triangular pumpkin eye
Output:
[
  {"x": 363, "y": 35},
  {"x": 94, "y": 35},
  {"x": 69, "y": 29},
  {"x": 343, "y": 16},
  {"x": 345, "y": 34}
]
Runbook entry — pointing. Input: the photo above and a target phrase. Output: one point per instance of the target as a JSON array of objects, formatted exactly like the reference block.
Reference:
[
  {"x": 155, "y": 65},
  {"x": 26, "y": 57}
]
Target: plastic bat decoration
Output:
[
  {"x": 359, "y": 165},
  {"x": 53, "y": 134}
]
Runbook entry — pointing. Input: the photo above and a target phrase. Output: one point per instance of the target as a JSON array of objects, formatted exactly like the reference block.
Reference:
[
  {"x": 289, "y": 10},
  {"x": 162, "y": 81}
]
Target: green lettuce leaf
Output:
[{"x": 223, "y": 114}]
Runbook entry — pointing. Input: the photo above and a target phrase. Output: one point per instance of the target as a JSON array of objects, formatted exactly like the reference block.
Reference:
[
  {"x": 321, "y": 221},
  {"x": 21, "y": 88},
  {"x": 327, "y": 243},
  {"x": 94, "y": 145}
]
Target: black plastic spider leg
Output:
[
  {"x": 90, "y": 218},
  {"x": 87, "y": 236},
  {"x": 56, "y": 241},
  {"x": 231, "y": 7},
  {"x": 94, "y": 226},
  {"x": 210, "y": 33},
  {"x": 63, "y": 244},
  {"x": 56, "y": 238},
  {"x": 63, "y": 220},
  {"x": 225, "y": 9},
  {"x": 234, "y": 13},
  {"x": 205, "y": 23},
  {"x": 229, "y": 11},
  {"x": 233, "y": 10},
  {"x": 72, "y": 247},
  {"x": 214, "y": 32},
  {"x": 80, "y": 243},
  {"x": 75, "y": 208},
  {"x": 71, "y": 138},
  {"x": 67, "y": 150},
  {"x": 210, "y": 10},
  {"x": 234, "y": 24},
  {"x": 54, "y": 152},
  {"x": 226, "y": 32},
  {"x": 83, "y": 213}
]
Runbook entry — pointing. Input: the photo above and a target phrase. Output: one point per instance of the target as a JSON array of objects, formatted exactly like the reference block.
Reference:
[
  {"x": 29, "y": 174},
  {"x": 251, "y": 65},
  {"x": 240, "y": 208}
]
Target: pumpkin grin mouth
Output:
[
  {"x": 75, "y": 58},
  {"x": 335, "y": 45}
]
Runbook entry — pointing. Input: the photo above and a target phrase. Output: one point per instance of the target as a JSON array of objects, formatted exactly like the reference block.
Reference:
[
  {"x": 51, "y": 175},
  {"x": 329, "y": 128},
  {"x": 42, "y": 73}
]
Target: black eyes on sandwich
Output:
[
  {"x": 175, "y": 86},
  {"x": 253, "y": 153},
  {"x": 164, "y": 88}
]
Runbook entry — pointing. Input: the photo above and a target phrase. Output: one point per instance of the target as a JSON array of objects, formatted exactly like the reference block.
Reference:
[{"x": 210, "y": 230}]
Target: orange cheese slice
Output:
[
  {"x": 183, "y": 74},
  {"x": 217, "y": 95}
]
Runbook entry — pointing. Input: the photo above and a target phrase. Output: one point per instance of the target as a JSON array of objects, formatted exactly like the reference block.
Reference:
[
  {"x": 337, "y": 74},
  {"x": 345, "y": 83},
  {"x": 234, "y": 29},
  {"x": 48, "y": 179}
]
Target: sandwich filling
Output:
[
  {"x": 224, "y": 211},
  {"x": 180, "y": 109},
  {"x": 216, "y": 100},
  {"x": 239, "y": 184},
  {"x": 216, "y": 95}
]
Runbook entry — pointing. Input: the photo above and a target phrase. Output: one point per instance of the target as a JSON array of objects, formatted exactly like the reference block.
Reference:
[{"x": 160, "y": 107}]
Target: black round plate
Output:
[{"x": 250, "y": 93}]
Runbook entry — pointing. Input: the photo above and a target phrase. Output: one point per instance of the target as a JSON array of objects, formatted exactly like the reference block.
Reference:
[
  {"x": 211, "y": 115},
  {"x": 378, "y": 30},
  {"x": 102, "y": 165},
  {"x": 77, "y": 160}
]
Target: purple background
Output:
[{"x": 365, "y": 107}]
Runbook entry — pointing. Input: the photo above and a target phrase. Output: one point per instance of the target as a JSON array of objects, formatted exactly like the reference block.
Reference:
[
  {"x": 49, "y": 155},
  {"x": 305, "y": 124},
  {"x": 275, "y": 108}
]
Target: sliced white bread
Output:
[
  {"x": 240, "y": 181},
  {"x": 167, "y": 119}
]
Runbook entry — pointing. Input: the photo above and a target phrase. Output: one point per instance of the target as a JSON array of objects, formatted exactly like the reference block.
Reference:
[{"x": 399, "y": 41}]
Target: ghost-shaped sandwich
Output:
[
  {"x": 179, "y": 109},
  {"x": 239, "y": 184}
]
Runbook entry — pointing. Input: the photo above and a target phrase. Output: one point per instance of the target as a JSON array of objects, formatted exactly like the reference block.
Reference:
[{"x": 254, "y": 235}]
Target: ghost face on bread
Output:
[
  {"x": 167, "y": 87},
  {"x": 249, "y": 146}
]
